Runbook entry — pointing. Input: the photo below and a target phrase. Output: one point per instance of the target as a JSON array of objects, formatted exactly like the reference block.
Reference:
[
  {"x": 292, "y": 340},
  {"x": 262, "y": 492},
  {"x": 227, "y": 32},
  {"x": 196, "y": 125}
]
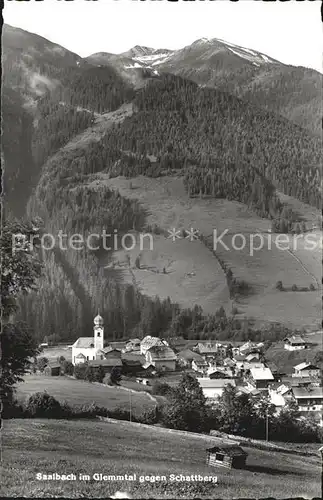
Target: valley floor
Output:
[{"x": 88, "y": 447}]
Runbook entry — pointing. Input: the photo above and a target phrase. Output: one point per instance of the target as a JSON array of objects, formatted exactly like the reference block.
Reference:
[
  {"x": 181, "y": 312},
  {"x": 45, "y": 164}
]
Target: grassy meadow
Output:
[
  {"x": 78, "y": 392},
  {"x": 88, "y": 447}
]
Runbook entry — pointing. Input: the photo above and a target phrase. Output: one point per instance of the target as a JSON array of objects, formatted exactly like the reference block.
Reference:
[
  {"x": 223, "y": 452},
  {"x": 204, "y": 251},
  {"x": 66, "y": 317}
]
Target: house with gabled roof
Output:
[
  {"x": 260, "y": 377},
  {"x": 186, "y": 357},
  {"x": 149, "y": 342},
  {"x": 207, "y": 350},
  {"x": 306, "y": 370},
  {"x": 213, "y": 388},
  {"x": 162, "y": 357},
  {"x": 294, "y": 343}
]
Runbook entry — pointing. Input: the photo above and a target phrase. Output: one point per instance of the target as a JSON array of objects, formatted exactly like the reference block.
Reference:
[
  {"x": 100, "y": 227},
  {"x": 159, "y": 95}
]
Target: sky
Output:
[{"x": 290, "y": 32}]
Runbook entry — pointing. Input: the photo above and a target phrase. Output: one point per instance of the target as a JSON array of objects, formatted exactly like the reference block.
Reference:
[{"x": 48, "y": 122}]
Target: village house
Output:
[
  {"x": 207, "y": 350},
  {"x": 260, "y": 378},
  {"x": 213, "y": 388},
  {"x": 87, "y": 348},
  {"x": 186, "y": 357},
  {"x": 132, "y": 345},
  {"x": 250, "y": 347},
  {"x": 294, "y": 343},
  {"x": 162, "y": 357},
  {"x": 310, "y": 401},
  {"x": 200, "y": 366},
  {"x": 149, "y": 342},
  {"x": 217, "y": 373},
  {"x": 306, "y": 370}
]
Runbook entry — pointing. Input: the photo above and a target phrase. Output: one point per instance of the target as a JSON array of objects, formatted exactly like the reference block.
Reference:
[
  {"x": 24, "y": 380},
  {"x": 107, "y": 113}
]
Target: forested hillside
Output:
[
  {"x": 17, "y": 131},
  {"x": 224, "y": 147}
]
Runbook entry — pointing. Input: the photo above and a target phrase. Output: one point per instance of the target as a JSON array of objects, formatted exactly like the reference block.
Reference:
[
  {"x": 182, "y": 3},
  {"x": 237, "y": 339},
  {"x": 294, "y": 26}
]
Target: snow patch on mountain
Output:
[{"x": 136, "y": 65}]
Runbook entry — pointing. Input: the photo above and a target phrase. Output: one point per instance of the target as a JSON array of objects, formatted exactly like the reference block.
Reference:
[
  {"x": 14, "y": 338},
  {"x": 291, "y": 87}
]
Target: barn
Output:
[{"x": 226, "y": 455}]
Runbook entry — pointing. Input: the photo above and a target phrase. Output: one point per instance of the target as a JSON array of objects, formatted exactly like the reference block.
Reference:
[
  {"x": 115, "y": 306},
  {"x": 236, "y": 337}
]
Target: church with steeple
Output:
[{"x": 90, "y": 348}]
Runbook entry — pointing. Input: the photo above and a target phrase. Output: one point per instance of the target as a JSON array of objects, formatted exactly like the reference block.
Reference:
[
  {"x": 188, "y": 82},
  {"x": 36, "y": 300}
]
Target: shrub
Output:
[
  {"x": 115, "y": 375},
  {"x": 279, "y": 285},
  {"x": 60, "y": 360},
  {"x": 99, "y": 374},
  {"x": 68, "y": 367},
  {"x": 294, "y": 288},
  {"x": 161, "y": 389},
  {"x": 42, "y": 405},
  {"x": 80, "y": 371},
  {"x": 41, "y": 363},
  {"x": 89, "y": 374}
]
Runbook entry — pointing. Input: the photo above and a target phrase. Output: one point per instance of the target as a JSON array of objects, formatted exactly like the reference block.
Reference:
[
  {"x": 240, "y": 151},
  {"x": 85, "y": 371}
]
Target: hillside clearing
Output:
[
  {"x": 33, "y": 446},
  {"x": 169, "y": 206}
]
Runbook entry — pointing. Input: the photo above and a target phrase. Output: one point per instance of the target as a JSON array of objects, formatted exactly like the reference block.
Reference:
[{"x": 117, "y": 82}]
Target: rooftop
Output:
[
  {"x": 228, "y": 449},
  {"x": 106, "y": 362},
  {"x": 263, "y": 373},
  {"x": 162, "y": 352},
  {"x": 306, "y": 366},
  {"x": 308, "y": 392},
  {"x": 84, "y": 342},
  {"x": 295, "y": 339},
  {"x": 217, "y": 383},
  {"x": 189, "y": 355},
  {"x": 207, "y": 348}
]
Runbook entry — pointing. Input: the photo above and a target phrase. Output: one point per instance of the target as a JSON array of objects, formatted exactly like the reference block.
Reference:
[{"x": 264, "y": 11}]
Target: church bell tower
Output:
[{"x": 98, "y": 332}]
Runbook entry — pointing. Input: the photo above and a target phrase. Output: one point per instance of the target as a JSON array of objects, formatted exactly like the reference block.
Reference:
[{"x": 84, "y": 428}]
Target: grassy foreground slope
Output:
[{"x": 33, "y": 446}]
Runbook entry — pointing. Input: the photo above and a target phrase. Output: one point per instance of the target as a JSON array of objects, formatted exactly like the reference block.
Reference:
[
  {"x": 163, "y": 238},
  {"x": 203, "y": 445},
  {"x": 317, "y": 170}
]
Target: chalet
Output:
[
  {"x": 306, "y": 370},
  {"x": 213, "y": 389},
  {"x": 207, "y": 350},
  {"x": 186, "y": 357},
  {"x": 226, "y": 455},
  {"x": 162, "y": 357},
  {"x": 260, "y": 378},
  {"x": 253, "y": 357},
  {"x": 251, "y": 347},
  {"x": 52, "y": 370},
  {"x": 132, "y": 345},
  {"x": 294, "y": 343},
  {"x": 309, "y": 399},
  {"x": 218, "y": 374},
  {"x": 199, "y": 366},
  {"x": 149, "y": 342}
]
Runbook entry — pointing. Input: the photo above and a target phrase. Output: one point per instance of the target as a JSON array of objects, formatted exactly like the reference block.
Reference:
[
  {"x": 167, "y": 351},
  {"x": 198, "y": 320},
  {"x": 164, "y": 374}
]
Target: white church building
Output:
[{"x": 89, "y": 348}]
